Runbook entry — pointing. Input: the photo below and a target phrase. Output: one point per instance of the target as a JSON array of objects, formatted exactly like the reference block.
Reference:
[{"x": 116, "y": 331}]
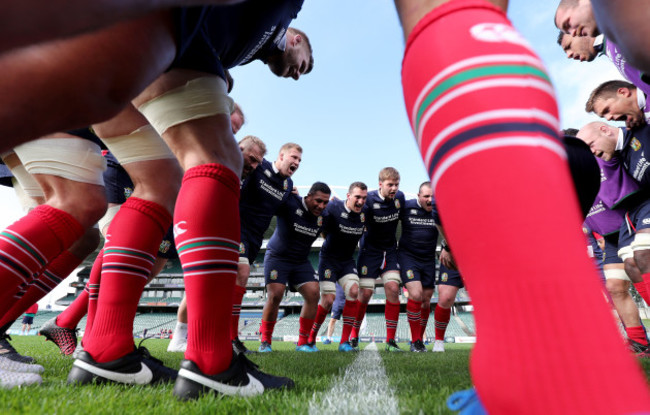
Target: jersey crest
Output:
[
  {"x": 242, "y": 248},
  {"x": 285, "y": 185},
  {"x": 274, "y": 274},
  {"x": 635, "y": 144},
  {"x": 128, "y": 191},
  {"x": 444, "y": 277},
  {"x": 397, "y": 204},
  {"x": 363, "y": 217},
  {"x": 409, "y": 274},
  {"x": 164, "y": 246},
  {"x": 320, "y": 221},
  {"x": 328, "y": 274},
  {"x": 364, "y": 270}
]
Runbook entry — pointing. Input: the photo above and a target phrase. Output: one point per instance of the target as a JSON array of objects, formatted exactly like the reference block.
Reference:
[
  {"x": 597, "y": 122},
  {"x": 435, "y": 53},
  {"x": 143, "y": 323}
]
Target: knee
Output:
[
  {"x": 353, "y": 291},
  {"x": 312, "y": 296}
]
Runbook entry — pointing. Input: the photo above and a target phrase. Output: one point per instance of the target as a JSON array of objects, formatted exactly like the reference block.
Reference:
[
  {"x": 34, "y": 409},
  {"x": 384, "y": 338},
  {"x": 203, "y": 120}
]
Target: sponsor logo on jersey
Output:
[
  {"x": 344, "y": 215},
  {"x": 397, "y": 204},
  {"x": 178, "y": 229},
  {"x": 242, "y": 248},
  {"x": 497, "y": 32},
  {"x": 285, "y": 185},
  {"x": 319, "y": 221},
  {"x": 364, "y": 270},
  {"x": 267, "y": 173},
  {"x": 376, "y": 206},
  {"x": 409, "y": 274},
  {"x": 585, "y": 230},
  {"x": 646, "y": 221},
  {"x": 328, "y": 274},
  {"x": 363, "y": 217},
  {"x": 414, "y": 212},
  {"x": 128, "y": 191},
  {"x": 635, "y": 144},
  {"x": 274, "y": 274},
  {"x": 444, "y": 277},
  {"x": 164, "y": 246},
  {"x": 299, "y": 212}
]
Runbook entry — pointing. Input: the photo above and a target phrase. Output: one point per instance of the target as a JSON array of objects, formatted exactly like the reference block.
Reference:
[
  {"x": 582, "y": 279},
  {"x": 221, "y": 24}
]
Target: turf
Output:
[{"x": 422, "y": 382}]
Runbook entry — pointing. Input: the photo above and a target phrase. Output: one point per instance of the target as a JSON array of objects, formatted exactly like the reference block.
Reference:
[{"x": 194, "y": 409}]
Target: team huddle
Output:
[{"x": 151, "y": 85}]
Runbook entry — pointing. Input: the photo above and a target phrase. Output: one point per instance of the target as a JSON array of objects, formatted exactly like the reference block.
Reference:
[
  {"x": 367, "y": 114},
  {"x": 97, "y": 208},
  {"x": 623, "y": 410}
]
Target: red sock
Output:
[
  {"x": 637, "y": 334},
  {"x": 349, "y": 314},
  {"x": 92, "y": 288},
  {"x": 391, "y": 312},
  {"x": 361, "y": 313},
  {"x": 641, "y": 288},
  {"x": 441, "y": 318},
  {"x": 646, "y": 280},
  {"x": 132, "y": 242},
  {"x": 305, "y": 328},
  {"x": 237, "y": 297},
  {"x": 497, "y": 148},
  {"x": 413, "y": 315},
  {"x": 56, "y": 271},
  {"x": 266, "y": 331},
  {"x": 207, "y": 223},
  {"x": 27, "y": 246},
  {"x": 321, "y": 313},
  {"x": 424, "y": 318}
]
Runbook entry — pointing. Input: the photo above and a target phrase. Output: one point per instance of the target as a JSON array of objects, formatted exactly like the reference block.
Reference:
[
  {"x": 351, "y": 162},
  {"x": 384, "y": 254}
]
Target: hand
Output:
[{"x": 447, "y": 259}]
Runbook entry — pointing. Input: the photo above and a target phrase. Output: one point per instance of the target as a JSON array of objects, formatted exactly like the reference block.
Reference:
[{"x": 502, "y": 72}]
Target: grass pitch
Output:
[{"x": 421, "y": 381}]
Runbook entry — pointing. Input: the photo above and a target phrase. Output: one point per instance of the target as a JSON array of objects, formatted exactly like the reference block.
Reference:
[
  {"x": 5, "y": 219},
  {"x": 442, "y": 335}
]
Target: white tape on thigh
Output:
[
  {"x": 74, "y": 159},
  {"x": 28, "y": 186},
  {"x": 367, "y": 283},
  {"x": 616, "y": 274},
  {"x": 347, "y": 281},
  {"x": 141, "y": 145},
  {"x": 199, "y": 98},
  {"x": 641, "y": 242},
  {"x": 626, "y": 253},
  {"x": 327, "y": 287},
  {"x": 244, "y": 260},
  {"x": 391, "y": 276},
  {"x": 26, "y": 202},
  {"x": 107, "y": 218}
]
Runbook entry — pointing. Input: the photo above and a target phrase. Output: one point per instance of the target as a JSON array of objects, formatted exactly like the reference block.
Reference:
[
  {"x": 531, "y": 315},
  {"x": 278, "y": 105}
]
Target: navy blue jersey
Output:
[
  {"x": 213, "y": 38},
  {"x": 419, "y": 232},
  {"x": 343, "y": 229},
  {"x": 296, "y": 231},
  {"x": 636, "y": 142},
  {"x": 261, "y": 195},
  {"x": 382, "y": 216}
]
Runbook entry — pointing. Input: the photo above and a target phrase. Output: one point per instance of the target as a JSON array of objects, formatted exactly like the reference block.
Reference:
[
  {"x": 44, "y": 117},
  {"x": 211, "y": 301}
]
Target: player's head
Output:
[
  {"x": 253, "y": 151},
  {"x": 388, "y": 182},
  {"x": 425, "y": 196},
  {"x": 570, "y": 131},
  {"x": 616, "y": 101},
  {"x": 357, "y": 194},
  {"x": 601, "y": 139},
  {"x": 237, "y": 119},
  {"x": 289, "y": 159},
  {"x": 297, "y": 58},
  {"x": 317, "y": 198},
  {"x": 578, "y": 48},
  {"x": 576, "y": 18}
]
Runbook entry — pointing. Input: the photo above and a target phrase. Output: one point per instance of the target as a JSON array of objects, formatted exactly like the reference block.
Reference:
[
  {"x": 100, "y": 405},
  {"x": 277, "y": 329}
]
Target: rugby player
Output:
[
  {"x": 378, "y": 253},
  {"x": 344, "y": 223},
  {"x": 300, "y": 222},
  {"x": 619, "y": 101},
  {"x": 416, "y": 255},
  {"x": 265, "y": 189}
]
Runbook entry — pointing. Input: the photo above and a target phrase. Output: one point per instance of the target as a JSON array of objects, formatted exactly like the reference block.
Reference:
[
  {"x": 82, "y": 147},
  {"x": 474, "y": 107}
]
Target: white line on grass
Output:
[{"x": 362, "y": 389}]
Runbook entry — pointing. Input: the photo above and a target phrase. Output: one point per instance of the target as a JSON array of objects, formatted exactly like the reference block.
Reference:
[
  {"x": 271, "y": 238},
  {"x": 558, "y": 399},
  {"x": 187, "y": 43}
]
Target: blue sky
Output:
[{"x": 348, "y": 114}]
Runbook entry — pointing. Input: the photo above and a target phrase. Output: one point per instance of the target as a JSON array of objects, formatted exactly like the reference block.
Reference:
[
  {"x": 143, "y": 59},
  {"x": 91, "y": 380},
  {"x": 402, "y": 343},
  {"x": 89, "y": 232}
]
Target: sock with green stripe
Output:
[
  {"x": 206, "y": 225},
  {"x": 28, "y": 245},
  {"x": 132, "y": 242},
  {"x": 485, "y": 118}
]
